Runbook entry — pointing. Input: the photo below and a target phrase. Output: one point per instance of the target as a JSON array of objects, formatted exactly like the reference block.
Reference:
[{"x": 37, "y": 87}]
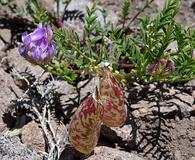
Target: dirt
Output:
[{"x": 161, "y": 117}]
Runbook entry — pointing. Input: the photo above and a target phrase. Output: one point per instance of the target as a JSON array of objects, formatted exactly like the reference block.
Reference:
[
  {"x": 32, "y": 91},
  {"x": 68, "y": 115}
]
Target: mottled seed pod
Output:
[
  {"x": 84, "y": 128},
  {"x": 112, "y": 100}
]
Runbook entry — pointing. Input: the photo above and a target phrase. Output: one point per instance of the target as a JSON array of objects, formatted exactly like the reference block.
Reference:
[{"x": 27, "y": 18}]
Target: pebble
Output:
[{"x": 193, "y": 143}]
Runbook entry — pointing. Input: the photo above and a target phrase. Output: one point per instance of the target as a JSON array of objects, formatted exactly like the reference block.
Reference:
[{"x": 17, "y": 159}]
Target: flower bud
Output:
[{"x": 156, "y": 68}]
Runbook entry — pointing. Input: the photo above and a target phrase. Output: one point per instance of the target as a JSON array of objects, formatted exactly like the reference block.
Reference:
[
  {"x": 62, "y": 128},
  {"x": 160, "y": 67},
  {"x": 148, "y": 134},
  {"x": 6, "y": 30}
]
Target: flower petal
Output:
[
  {"x": 49, "y": 33},
  {"x": 27, "y": 41},
  {"x": 24, "y": 36},
  {"x": 22, "y": 50},
  {"x": 51, "y": 49},
  {"x": 38, "y": 34}
]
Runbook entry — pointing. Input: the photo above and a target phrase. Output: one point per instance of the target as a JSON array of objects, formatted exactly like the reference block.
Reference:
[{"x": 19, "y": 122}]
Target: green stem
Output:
[{"x": 81, "y": 53}]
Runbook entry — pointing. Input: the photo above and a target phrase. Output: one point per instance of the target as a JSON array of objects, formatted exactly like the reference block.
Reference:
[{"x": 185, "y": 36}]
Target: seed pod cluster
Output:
[
  {"x": 112, "y": 101},
  {"x": 107, "y": 107},
  {"x": 85, "y": 126}
]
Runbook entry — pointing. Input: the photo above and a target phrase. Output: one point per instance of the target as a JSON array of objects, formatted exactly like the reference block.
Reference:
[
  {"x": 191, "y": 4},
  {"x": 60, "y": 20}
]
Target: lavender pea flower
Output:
[{"x": 38, "y": 46}]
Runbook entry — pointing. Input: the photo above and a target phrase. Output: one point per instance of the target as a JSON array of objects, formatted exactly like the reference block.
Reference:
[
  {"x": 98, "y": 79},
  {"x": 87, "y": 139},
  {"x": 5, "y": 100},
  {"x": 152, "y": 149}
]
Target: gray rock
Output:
[
  {"x": 2, "y": 55},
  {"x": 177, "y": 155},
  {"x": 177, "y": 102},
  {"x": 5, "y": 35},
  {"x": 173, "y": 46},
  {"x": 7, "y": 89},
  {"x": 193, "y": 144},
  {"x": 76, "y": 24},
  {"x": 121, "y": 135},
  {"x": 183, "y": 102},
  {"x": 2, "y": 45},
  {"x": 190, "y": 83},
  {"x": 13, "y": 149}
]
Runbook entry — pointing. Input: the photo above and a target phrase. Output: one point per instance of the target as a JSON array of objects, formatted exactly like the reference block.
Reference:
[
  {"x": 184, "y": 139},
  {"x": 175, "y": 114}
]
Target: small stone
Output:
[
  {"x": 177, "y": 119},
  {"x": 33, "y": 136},
  {"x": 193, "y": 144},
  {"x": 192, "y": 118},
  {"x": 118, "y": 135},
  {"x": 193, "y": 94},
  {"x": 2, "y": 45},
  {"x": 173, "y": 46},
  {"x": 190, "y": 83},
  {"x": 5, "y": 35}
]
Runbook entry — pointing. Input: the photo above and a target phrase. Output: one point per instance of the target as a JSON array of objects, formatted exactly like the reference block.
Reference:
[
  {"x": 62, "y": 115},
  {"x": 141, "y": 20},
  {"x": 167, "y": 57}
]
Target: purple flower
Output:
[
  {"x": 157, "y": 66},
  {"x": 171, "y": 66},
  {"x": 38, "y": 46},
  {"x": 162, "y": 67}
]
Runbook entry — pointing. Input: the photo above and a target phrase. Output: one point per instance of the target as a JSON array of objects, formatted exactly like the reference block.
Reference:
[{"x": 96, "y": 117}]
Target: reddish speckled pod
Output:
[
  {"x": 112, "y": 101},
  {"x": 84, "y": 128}
]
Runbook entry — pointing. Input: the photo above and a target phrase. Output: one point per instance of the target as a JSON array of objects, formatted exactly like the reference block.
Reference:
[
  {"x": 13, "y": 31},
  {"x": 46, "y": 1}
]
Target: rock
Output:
[
  {"x": 183, "y": 101},
  {"x": 192, "y": 158},
  {"x": 5, "y": 34},
  {"x": 2, "y": 55},
  {"x": 121, "y": 135},
  {"x": 20, "y": 3},
  {"x": 76, "y": 12},
  {"x": 32, "y": 136},
  {"x": 176, "y": 103},
  {"x": 190, "y": 83},
  {"x": 2, "y": 45},
  {"x": 142, "y": 108},
  {"x": 47, "y": 5},
  {"x": 193, "y": 144},
  {"x": 191, "y": 133},
  {"x": 87, "y": 87},
  {"x": 106, "y": 153},
  {"x": 177, "y": 155},
  {"x": 8, "y": 91},
  {"x": 68, "y": 98},
  {"x": 61, "y": 132},
  {"x": 193, "y": 94},
  {"x": 12, "y": 149},
  {"x": 172, "y": 46}
]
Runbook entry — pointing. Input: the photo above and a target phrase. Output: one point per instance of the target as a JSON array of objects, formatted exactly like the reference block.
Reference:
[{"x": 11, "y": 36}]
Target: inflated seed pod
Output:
[
  {"x": 84, "y": 128},
  {"x": 112, "y": 101}
]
